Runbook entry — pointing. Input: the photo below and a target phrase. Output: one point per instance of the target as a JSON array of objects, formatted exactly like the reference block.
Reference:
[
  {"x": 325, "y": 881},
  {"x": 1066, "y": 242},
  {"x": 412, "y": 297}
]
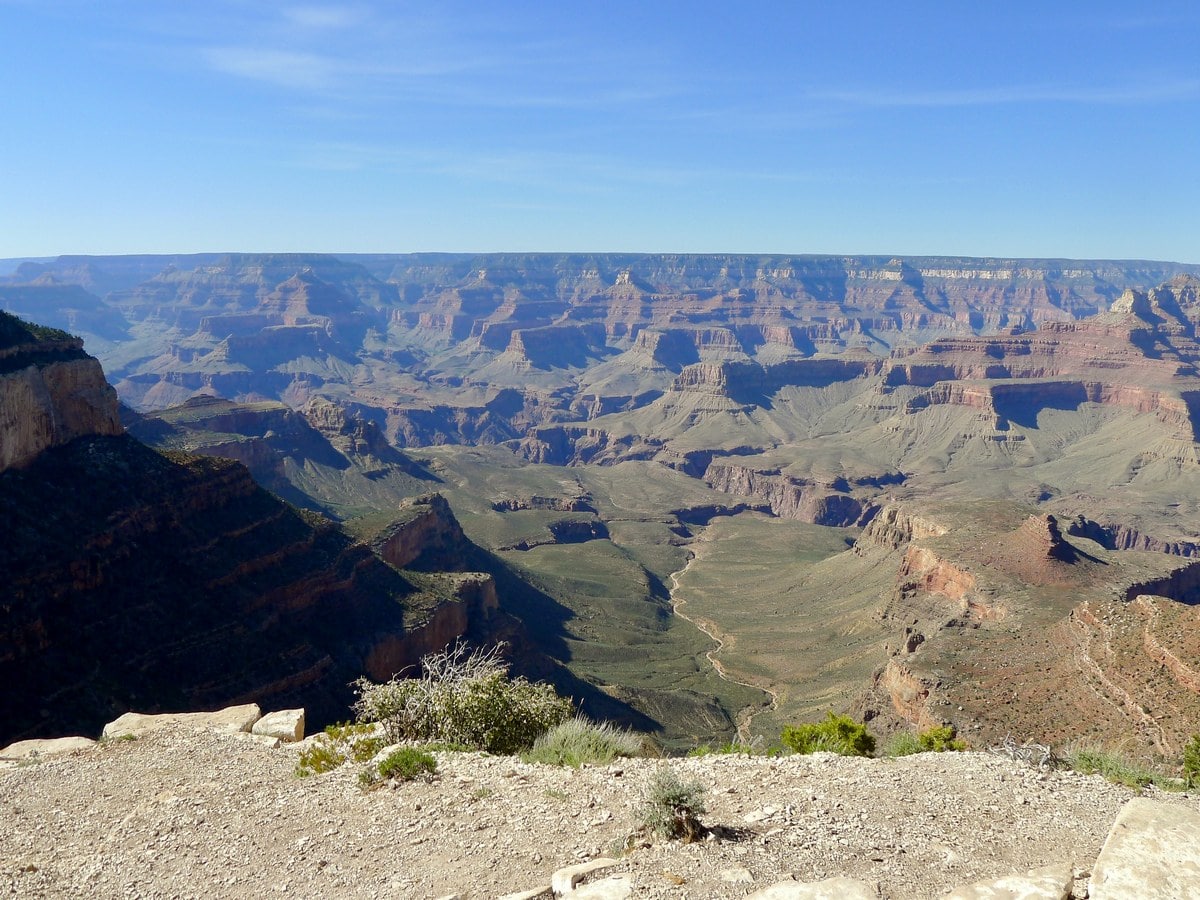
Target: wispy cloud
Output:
[
  {"x": 279, "y": 67},
  {"x": 325, "y": 17},
  {"x": 579, "y": 173},
  {"x": 1149, "y": 92}
]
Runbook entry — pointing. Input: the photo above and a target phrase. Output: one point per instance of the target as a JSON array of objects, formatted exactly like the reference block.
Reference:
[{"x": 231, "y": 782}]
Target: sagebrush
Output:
[
  {"x": 671, "y": 807},
  {"x": 578, "y": 741},
  {"x": 463, "y": 697}
]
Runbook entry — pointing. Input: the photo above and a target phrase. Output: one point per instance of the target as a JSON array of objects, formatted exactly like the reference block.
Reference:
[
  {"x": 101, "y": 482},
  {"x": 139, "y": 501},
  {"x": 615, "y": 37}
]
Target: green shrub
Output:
[
  {"x": 671, "y": 808},
  {"x": 1191, "y": 763},
  {"x": 464, "y": 698},
  {"x": 578, "y": 741},
  {"x": 406, "y": 764},
  {"x": 323, "y": 755},
  {"x": 837, "y": 734},
  {"x": 940, "y": 739},
  {"x": 338, "y": 743}
]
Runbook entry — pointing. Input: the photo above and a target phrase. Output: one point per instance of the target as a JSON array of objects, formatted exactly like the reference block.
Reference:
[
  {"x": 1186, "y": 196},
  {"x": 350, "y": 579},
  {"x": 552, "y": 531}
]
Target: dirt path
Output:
[{"x": 747, "y": 715}]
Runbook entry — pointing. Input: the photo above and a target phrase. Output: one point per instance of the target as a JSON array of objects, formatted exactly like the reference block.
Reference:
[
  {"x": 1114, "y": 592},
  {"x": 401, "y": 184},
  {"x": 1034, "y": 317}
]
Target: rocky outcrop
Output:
[
  {"x": 791, "y": 498},
  {"x": 230, "y": 719},
  {"x": 893, "y": 526},
  {"x": 425, "y": 534},
  {"x": 1113, "y": 536},
  {"x": 1182, "y": 585},
  {"x": 555, "y": 504},
  {"x": 51, "y": 393},
  {"x": 1150, "y": 854},
  {"x": 180, "y": 583},
  {"x": 474, "y": 603},
  {"x": 907, "y": 693}
]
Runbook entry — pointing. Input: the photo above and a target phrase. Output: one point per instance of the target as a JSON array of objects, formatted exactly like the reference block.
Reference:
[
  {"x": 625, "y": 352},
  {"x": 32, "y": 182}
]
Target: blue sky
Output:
[{"x": 1004, "y": 129}]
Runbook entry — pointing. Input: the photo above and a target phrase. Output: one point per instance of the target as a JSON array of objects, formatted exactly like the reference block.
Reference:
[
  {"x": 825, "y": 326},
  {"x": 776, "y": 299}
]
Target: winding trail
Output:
[{"x": 748, "y": 713}]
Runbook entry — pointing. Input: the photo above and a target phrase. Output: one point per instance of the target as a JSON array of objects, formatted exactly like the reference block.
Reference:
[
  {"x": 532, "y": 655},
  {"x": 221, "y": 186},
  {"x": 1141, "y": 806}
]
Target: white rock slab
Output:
[
  {"x": 829, "y": 889},
  {"x": 531, "y": 894},
  {"x": 618, "y": 887},
  {"x": 1046, "y": 883},
  {"x": 231, "y": 718},
  {"x": 285, "y": 724},
  {"x": 564, "y": 880},
  {"x": 46, "y": 747},
  {"x": 1152, "y": 853}
]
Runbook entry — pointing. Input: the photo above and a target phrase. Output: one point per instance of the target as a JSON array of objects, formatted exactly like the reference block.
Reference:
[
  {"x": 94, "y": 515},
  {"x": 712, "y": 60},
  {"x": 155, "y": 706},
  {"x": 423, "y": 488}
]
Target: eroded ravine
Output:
[{"x": 748, "y": 713}]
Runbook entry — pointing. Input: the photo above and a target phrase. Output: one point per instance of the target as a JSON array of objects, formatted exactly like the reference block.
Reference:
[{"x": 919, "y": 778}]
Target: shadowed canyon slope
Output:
[
  {"x": 134, "y": 578},
  {"x": 929, "y": 488}
]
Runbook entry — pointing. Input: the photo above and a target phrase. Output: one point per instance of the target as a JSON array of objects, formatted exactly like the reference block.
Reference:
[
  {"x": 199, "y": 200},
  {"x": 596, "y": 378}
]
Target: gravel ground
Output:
[{"x": 201, "y": 814}]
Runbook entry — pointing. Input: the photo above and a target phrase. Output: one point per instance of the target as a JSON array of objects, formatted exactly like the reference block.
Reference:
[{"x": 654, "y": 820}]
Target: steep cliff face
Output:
[
  {"x": 792, "y": 498},
  {"x": 51, "y": 392},
  {"x": 173, "y": 581},
  {"x": 895, "y": 526},
  {"x": 425, "y": 535}
]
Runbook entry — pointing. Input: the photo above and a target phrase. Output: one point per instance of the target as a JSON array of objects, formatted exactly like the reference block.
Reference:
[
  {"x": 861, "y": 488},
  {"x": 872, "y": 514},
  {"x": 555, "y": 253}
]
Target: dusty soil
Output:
[{"x": 198, "y": 814}]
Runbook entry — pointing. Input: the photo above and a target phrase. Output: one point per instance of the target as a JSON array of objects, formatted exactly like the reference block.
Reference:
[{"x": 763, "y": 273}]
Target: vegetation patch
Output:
[
  {"x": 671, "y": 808},
  {"x": 579, "y": 740},
  {"x": 938, "y": 739},
  {"x": 408, "y": 764},
  {"x": 466, "y": 698},
  {"x": 836, "y": 734},
  {"x": 1191, "y": 763},
  {"x": 338, "y": 744},
  {"x": 1120, "y": 768}
]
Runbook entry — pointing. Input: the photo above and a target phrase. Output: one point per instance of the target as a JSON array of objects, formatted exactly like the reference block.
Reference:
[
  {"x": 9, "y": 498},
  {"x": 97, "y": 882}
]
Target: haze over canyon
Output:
[{"x": 704, "y": 494}]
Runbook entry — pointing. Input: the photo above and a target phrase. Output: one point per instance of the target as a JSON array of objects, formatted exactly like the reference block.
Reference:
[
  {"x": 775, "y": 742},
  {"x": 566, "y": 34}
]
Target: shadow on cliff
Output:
[{"x": 536, "y": 632}]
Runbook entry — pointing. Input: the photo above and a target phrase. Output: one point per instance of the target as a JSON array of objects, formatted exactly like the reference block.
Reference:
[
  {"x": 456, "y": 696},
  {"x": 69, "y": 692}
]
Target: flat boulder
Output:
[
  {"x": 840, "y": 888},
  {"x": 231, "y": 718},
  {"x": 1151, "y": 853},
  {"x": 286, "y": 724},
  {"x": 45, "y": 747},
  {"x": 1047, "y": 883}
]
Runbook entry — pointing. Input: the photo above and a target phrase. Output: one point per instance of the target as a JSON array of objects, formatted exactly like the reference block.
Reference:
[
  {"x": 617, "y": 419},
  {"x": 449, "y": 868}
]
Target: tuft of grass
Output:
[
  {"x": 407, "y": 764},
  {"x": 579, "y": 740},
  {"x": 723, "y": 750},
  {"x": 1191, "y": 763},
  {"x": 836, "y": 734},
  {"x": 671, "y": 808},
  {"x": 902, "y": 743},
  {"x": 1118, "y": 767}
]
